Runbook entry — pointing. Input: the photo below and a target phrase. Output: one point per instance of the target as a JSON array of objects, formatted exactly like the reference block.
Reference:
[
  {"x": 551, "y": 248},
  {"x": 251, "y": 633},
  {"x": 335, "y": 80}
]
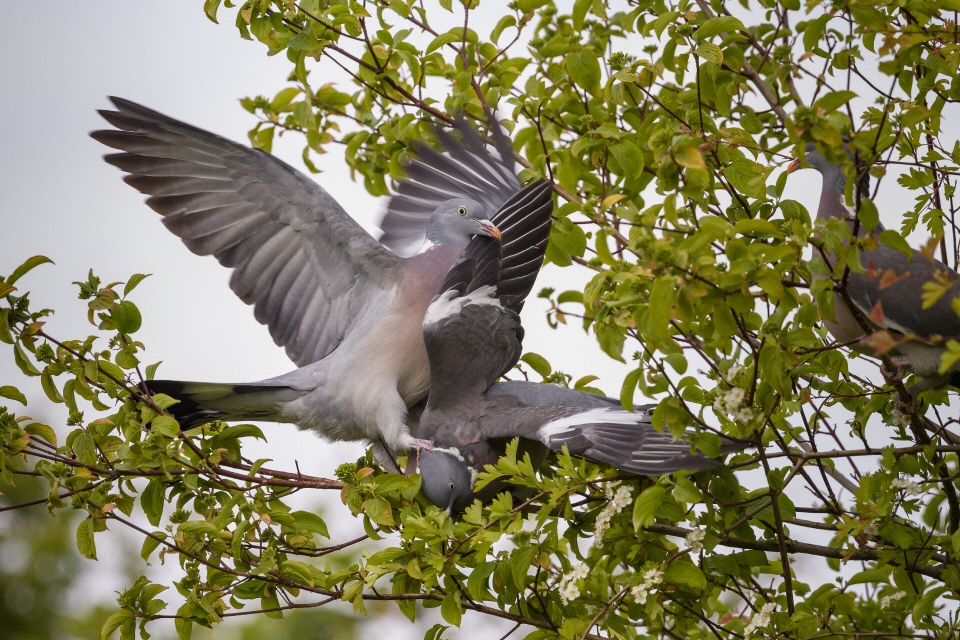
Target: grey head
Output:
[
  {"x": 457, "y": 220},
  {"x": 831, "y": 169},
  {"x": 446, "y": 479}
]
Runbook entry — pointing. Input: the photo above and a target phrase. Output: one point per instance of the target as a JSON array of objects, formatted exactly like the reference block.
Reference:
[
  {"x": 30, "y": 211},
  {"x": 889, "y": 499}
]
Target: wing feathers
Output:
[{"x": 256, "y": 214}]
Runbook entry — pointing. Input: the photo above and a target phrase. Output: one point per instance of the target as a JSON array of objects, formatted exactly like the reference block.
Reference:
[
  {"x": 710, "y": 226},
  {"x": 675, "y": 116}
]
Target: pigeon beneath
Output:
[
  {"x": 891, "y": 294},
  {"x": 473, "y": 334},
  {"x": 347, "y": 308}
]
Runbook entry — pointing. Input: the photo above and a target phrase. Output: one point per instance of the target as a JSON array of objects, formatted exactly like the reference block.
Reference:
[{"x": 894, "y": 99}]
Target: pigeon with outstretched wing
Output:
[{"x": 346, "y": 307}]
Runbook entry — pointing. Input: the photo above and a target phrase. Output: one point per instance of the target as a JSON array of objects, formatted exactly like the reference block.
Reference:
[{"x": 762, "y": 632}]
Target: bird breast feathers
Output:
[{"x": 449, "y": 303}]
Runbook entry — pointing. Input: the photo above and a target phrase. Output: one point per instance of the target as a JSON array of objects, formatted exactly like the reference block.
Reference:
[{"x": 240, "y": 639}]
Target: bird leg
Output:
[{"x": 413, "y": 455}]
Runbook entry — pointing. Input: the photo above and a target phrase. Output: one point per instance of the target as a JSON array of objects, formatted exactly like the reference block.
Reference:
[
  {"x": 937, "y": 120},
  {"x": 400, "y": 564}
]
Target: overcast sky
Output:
[{"x": 58, "y": 198}]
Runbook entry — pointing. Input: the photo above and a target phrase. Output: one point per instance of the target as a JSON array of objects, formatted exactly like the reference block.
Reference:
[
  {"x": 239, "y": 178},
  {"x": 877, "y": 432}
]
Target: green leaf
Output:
[
  {"x": 42, "y": 431},
  {"x": 814, "y": 31},
  {"x": 538, "y": 363},
  {"x": 210, "y": 8},
  {"x": 628, "y": 156},
  {"x": 580, "y": 9},
  {"x": 13, "y": 393},
  {"x": 450, "y": 608},
  {"x": 151, "y": 501},
  {"x": 126, "y": 317},
  {"x": 310, "y": 522},
  {"x": 646, "y": 506},
  {"x": 834, "y": 100},
  {"x": 378, "y": 510},
  {"x": 30, "y": 263},
  {"x": 150, "y": 544},
  {"x": 296, "y": 571},
  {"x": 868, "y": 215},
  {"x": 687, "y": 573},
  {"x": 748, "y": 177},
  {"x": 715, "y": 26},
  {"x": 629, "y": 388},
  {"x": 710, "y": 52},
  {"x": 113, "y": 622},
  {"x": 85, "y": 542},
  {"x": 165, "y": 425},
  {"x": 183, "y": 623},
  {"x": 23, "y": 361},
  {"x": 895, "y": 241},
  {"x": 134, "y": 280},
  {"x": 926, "y": 604},
  {"x": 505, "y": 23},
  {"x": 151, "y": 370},
  {"x": 583, "y": 67},
  {"x": 454, "y": 35}
]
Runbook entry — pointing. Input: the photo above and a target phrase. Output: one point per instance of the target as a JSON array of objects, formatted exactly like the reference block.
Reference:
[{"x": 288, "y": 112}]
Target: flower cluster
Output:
[
  {"x": 651, "y": 580},
  {"x": 569, "y": 589},
  {"x": 886, "y": 601},
  {"x": 695, "y": 540},
  {"x": 760, "y": 619},
  {"x": 615, "y": 504},
  {"x": 909, "y": 486},
  {"x": 731, "y": 403}
]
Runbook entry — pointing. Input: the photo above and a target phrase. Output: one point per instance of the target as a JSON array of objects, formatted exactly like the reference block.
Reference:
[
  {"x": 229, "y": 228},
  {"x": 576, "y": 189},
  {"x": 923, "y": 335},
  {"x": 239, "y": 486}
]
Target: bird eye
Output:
[
  {"x": 451, "y": 484},
  {"x": 462, "y": 211}
]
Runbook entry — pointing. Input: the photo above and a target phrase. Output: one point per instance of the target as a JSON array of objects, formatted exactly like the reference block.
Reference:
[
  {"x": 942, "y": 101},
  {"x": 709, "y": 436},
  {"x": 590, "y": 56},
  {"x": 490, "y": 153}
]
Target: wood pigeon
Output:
[
  {"x": 891, "y": 294},
  {"x": 347, "y": 308},
  {"x": 473, "y": 333}
]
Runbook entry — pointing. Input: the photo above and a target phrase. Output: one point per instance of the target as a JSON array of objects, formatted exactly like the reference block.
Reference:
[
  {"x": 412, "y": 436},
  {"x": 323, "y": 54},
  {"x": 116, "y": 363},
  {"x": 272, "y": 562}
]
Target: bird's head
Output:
[
  {"x": 446, "y": 479},
  {"x": 831, "y": 170},
  {"x": 459, "y": 219}
]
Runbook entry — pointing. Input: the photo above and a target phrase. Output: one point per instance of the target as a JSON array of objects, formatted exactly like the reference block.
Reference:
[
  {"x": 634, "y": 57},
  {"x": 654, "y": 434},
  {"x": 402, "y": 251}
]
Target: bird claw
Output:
[
  {"x": 413, "y": 457},
  {"x": 422, "y": 444}
]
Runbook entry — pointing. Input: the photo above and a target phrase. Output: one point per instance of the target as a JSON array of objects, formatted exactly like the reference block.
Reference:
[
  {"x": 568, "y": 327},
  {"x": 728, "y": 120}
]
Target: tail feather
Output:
[{"x": 202, "y": 402}]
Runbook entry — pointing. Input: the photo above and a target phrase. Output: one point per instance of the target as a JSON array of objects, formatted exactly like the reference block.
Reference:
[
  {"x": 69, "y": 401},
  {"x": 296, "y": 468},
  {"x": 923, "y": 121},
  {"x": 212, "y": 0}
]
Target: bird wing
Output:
[
  {"x": 608, "y": 434},
  {"x": 465, "y": 169},
  {"x": 471, "y": 336},
  {"x": 899, "y": 285},
  {"x": 307, "y": 267}
]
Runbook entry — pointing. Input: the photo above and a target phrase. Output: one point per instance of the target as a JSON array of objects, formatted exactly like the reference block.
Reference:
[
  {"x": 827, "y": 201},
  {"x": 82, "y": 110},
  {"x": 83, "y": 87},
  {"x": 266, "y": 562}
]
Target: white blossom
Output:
[
  {"x": 760, "y": 619},
  {"x": 899, "y": 419},
  {"x": 733, "y": 372},
  {"x": 569, "y": 589},
  {"x": 616, "y": 503},
  {"x": 910, "y": 487},
  {"x": 743, "y": 415},
  {"x": 886, "y": 601},
  {"x": 695, "y": 540},
  {"x": 651, "y": 579},
  {"x": 733, "y": 398},
  {"x": 872, "y": 528},
  {"x": 640, "y": 594}
]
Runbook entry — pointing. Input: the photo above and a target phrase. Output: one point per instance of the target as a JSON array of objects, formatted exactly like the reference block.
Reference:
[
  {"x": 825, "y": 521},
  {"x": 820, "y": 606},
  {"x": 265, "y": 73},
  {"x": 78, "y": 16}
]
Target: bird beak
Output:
[
  {"x": 450, "y": 510},
  {"x": 489, "y": 229},
  {"x": 794, "y": 165}
]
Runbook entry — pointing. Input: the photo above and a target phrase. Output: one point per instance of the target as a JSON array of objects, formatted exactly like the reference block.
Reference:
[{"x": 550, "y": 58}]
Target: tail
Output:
[{"x": 202, "y": 402}]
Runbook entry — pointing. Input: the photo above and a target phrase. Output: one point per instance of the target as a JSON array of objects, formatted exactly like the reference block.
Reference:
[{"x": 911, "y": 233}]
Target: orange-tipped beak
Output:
[
  {"x": 794, "y": 165},
  {"x": 491, "y": 230}
]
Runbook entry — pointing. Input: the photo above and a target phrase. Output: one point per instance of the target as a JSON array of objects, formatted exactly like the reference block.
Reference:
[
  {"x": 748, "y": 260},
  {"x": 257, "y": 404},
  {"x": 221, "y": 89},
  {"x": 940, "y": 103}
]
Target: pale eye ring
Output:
[
  {"x": 451, "y": 484},
  {"x": 462, "y": 210}
]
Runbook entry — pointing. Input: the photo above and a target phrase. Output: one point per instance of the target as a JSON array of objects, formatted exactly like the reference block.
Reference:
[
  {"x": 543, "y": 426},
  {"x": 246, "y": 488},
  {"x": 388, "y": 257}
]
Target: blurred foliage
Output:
[{"x": 661, "y": 126}]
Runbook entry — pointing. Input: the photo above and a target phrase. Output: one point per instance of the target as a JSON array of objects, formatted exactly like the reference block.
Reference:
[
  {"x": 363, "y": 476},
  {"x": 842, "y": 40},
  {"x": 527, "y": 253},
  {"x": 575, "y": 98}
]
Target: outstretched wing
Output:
[
  {"x": 307, "y": 267},
  {"x": 609, "y": 434},
  {"x": 902, "y": 296},
  {"x": 464, "y": 169}
]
